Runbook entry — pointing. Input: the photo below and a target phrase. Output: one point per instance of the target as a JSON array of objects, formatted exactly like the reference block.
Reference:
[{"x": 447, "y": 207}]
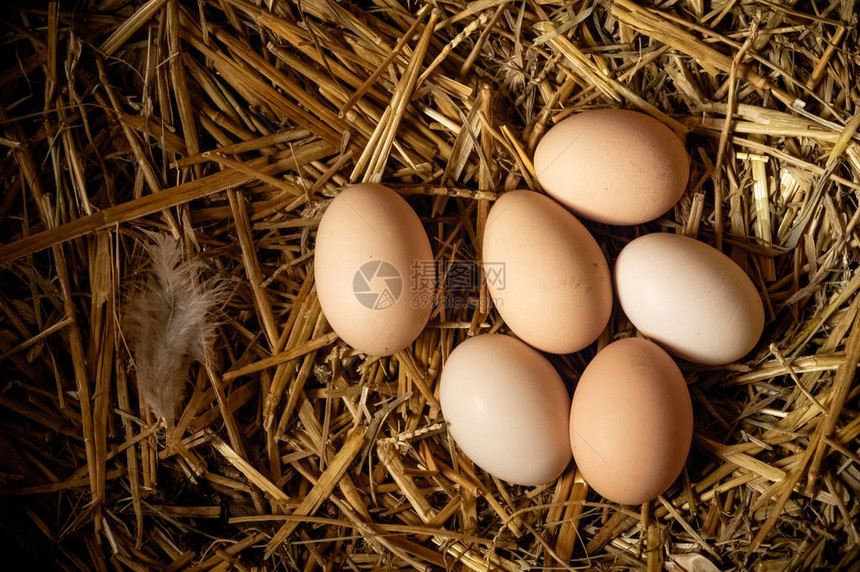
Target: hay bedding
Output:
[{"x": 229, "y": 123}]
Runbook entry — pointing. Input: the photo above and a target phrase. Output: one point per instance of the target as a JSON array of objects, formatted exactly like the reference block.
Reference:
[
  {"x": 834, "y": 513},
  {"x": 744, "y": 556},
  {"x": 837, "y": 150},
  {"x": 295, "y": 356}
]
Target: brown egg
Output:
[
  {"x": 631, "y": 421},
  {"x": 689, "y": 297},
  {"x": 374, "y": 269},
  {"x": 545, "y": 273},
  {"x": 613, "y": 166},
  {"x": 507, "y": 409}
]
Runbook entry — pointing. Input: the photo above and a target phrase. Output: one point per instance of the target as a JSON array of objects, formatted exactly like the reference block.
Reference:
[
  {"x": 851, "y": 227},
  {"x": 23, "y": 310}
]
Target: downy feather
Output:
[{"x": 168, "y": 323}]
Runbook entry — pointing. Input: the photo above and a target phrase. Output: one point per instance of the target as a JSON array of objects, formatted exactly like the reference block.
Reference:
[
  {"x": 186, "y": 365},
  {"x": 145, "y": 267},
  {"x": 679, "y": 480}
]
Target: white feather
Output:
[{"x": 168, "y": 323}]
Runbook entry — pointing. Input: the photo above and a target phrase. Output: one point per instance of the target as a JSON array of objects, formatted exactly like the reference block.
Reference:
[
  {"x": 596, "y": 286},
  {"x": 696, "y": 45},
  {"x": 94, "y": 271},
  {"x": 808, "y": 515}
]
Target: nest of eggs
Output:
[{"x": 228, "y": 126}]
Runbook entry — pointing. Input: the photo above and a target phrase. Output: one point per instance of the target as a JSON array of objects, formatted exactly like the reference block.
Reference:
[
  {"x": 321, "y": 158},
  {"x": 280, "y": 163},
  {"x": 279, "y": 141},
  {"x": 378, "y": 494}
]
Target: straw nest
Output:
[{"x": 229, "y": 124}]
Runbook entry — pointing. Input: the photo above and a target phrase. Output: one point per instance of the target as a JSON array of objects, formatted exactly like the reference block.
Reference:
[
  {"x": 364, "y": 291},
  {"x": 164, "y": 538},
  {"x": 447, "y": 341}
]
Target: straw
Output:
[{"x": 231, "y": 124}]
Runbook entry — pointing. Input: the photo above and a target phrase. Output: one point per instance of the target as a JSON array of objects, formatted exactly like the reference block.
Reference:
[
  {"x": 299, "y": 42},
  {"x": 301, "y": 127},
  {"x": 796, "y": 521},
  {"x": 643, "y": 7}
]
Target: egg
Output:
[
  {"x": 613, "y": 166},
  {"x": 374, "y": 269},
  {"x": 689, "y": 297},
  {"x": 631, "y": 421},
  {"x": 545, "y": 273},
  {"x": 506, "y": 407}
]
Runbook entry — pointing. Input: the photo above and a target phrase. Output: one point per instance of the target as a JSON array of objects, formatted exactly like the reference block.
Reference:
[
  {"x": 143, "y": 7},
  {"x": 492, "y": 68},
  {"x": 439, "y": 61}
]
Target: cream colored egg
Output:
[
  {"x": 631, "y": 422},
  {"x": 613, "y": 166},
  {"x": 374, "y": 269},
  {"x": 507, "y": 408},
  {"x": 546, "y": 274},
  {"x": 689, "y": 297}
]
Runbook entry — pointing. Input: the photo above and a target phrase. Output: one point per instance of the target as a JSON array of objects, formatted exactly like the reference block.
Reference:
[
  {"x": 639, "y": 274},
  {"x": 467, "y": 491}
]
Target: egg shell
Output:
[
  {"x": 613, "y": 166},
  {"x": 631, "y": 421},
  {"x": 689, "y": 297},
  {"x": 369, "y": 245},
  {"x": 507, "y": 408},
  {"x": 556, "y": 289}
]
